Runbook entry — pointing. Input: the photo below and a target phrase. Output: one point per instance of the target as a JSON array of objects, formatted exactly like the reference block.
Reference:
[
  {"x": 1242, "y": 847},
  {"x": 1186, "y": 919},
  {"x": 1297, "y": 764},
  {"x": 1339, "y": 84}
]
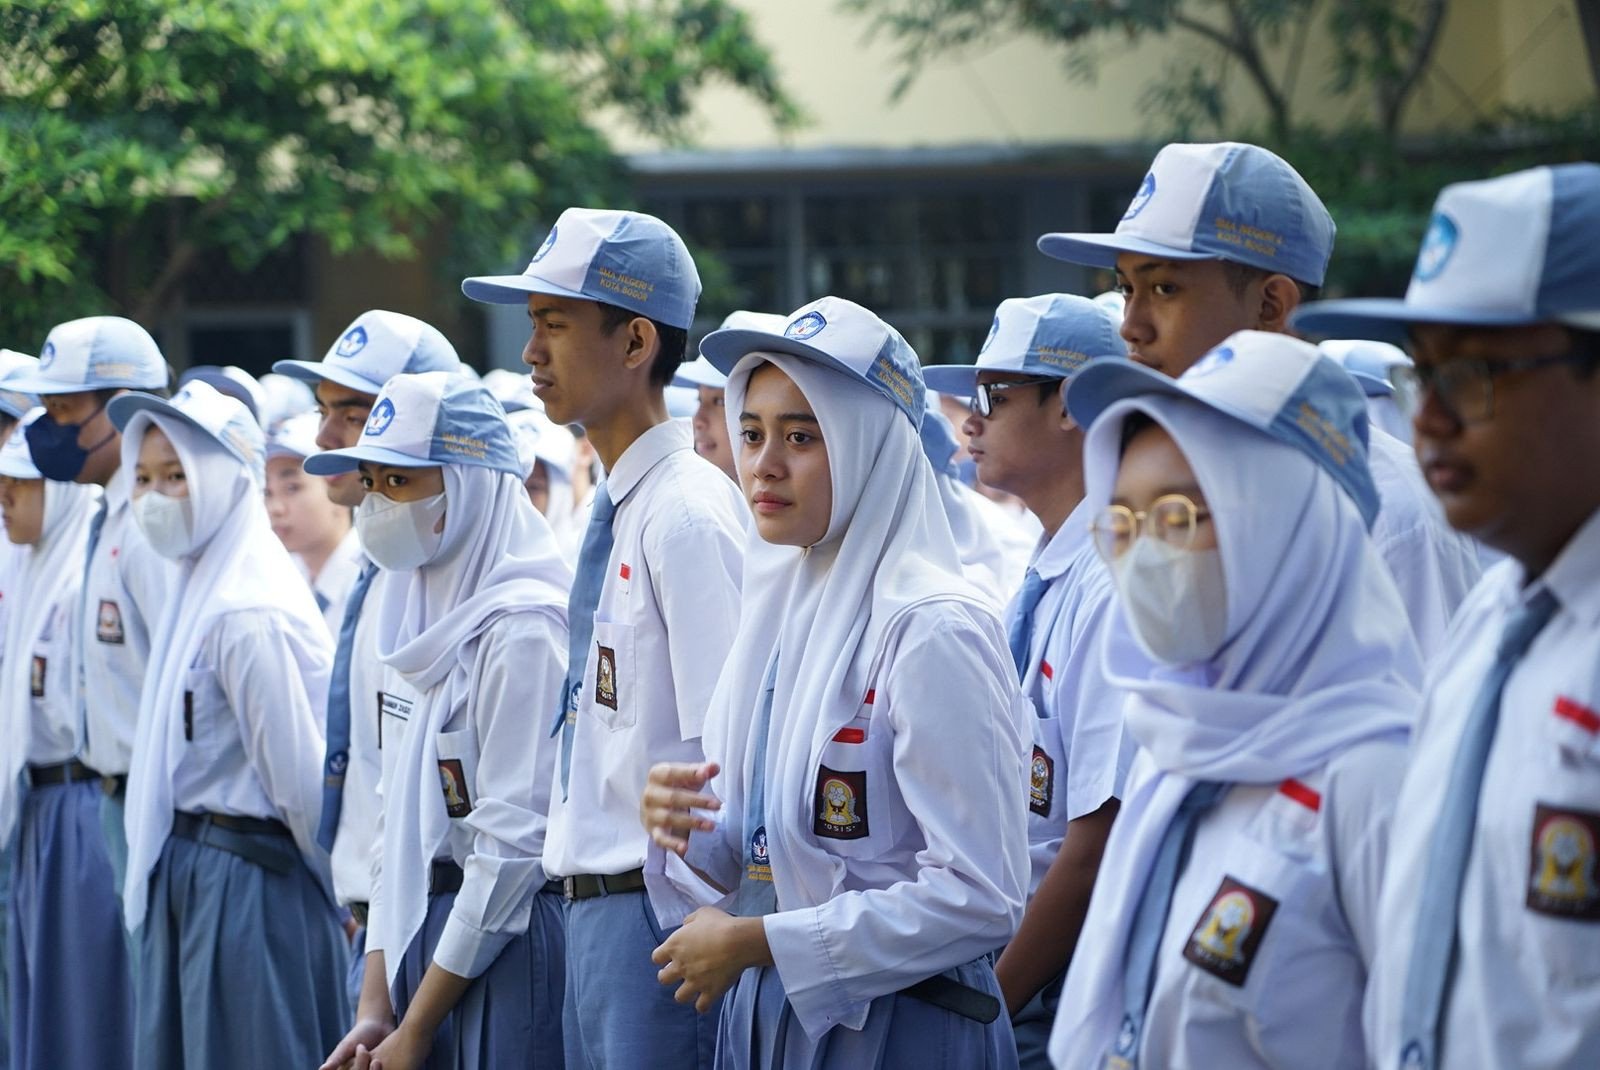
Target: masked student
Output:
[
  {"x": 64, "y": 909},
  {"x": 226, "y": 881},
  {"x": 465, "y": 937},
  {"x": 869, "y": 679},
  {"x": 1271, "y": 675},
  {"x": 1228, "y": 237},
  {"x": 655, "y": 601},
  {"x": 1057, "y": 623},
  {"x": 710, "y": 385},
  {"x": 315, "y": 529},
  {"x": 1489, "y": 933},
  {"x": 375, "y": 347}
]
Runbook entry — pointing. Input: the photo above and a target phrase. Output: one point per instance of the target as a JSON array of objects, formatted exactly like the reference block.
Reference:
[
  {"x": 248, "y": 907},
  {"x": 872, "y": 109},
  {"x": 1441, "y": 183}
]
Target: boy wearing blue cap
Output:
[
  {"x": 654, "y": 605},
  {"x": 1489, "y": 928},
  {"x": 377, "y": 346},
  {"x": 1056, "y": 624},
  {"x": 1227, "y": 237}
]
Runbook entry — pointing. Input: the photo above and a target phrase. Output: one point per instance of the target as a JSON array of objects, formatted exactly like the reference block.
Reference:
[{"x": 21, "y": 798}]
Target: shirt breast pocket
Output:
[
  {"x": 1561, "y": 899},
  {"x": 204, "y": 712},
  {"x": 613, "y": 675},
  {"x": 458, "y": 771},
  {"x": 854, "y": 801},
  {"x": 1047, "y": 766}
]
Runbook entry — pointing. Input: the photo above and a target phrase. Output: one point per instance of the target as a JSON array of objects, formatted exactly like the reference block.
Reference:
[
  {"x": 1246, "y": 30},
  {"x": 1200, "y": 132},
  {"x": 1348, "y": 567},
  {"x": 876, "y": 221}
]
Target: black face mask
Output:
[{"x": 55, "y": 450}]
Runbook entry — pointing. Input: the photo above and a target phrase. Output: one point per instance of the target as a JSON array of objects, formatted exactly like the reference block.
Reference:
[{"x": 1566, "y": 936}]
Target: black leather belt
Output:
[
  {"x": 44, "y": 776},
  {"x": 443, "y": 878},
  {"x": 246, "y": 837},
  {"x": 589, "y": 886},
  {"x": 948, "y": 994},
  {"x": 189, "y": 826}
]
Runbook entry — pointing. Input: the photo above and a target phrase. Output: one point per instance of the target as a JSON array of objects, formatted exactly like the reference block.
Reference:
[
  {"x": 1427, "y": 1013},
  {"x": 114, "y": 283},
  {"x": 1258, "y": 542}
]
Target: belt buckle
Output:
[{"x": 569, "y": 888}]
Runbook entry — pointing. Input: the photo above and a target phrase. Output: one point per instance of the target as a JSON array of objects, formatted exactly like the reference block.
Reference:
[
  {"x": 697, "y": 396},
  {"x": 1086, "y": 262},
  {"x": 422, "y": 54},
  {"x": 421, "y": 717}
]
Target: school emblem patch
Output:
[
  {"x": 544, "y": 250},
  {"x": 806, "y": 326},
  {"x": 1437, "y": 246},
  {"x": 1224, "y": 943},
  {"x": 840, "y": 805},
  {"x": 353, "y": 342},
  {"x": 760, "y": 865},
  {"x": 605, "y": 677},
  {"x": 1147, "y": 190},
  {"x": 108, "y": 624},
  {"x": 38, "y": 677},
  {"x": 1041, "y": 782},
  {"x": 380, "y": 419},
  {"x": 453, "y": 782},
  {"x": 1561, "y": 864}
]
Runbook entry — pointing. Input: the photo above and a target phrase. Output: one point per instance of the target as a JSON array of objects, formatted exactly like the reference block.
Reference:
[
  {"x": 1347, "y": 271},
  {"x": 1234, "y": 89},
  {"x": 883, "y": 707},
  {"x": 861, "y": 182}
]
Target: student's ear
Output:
[
  {"x": 642, "y": 342},
  {"x": 1280, "y": 296},
  {"x": 1067, "y": 422}
]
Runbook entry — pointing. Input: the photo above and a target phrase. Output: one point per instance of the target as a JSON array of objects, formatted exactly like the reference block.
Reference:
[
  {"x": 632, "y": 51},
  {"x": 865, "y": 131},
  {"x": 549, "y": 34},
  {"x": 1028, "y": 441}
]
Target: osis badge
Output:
[
  {"x": 760, "y": 867},
  {"x": 108, "y": 623},
  {"x": 1224, "y": 943},
  {"x": 605, "y": 676},
  {"x": 1561, "y": 864},
  {"x": 1041, "y": 782},
  {"x": 453, "y": 782},
  {"x": 840, "y": 805}
]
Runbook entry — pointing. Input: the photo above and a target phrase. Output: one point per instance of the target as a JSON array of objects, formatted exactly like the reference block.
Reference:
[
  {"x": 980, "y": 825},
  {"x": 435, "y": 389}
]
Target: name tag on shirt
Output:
[{"x": 391, "y": 706}]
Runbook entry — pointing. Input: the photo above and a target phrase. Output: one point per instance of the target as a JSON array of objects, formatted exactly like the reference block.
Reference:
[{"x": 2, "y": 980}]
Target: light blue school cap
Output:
[
  {"x": 16, "y": 460},
  {"x": 374, "y": 349},
  {"x": 939, "y": 443},
  {"x": 95, "y": 353},
  {"x": 1272, "y": 382},
  {"x": 701, "y": 372},
  {"x": 232, "y": 381},
  {"x": 434, "y": 418},
  {"x": 202, "y": 406},
  {"x": 627, "y": 259},
  {"x": 16, "y": 403},
  {"x": 1223, "y": 201},
  {"x": 1504, "y": 252},
  {"x": 1368, "y": 362},
  {"x": 1052, "y": 334}
]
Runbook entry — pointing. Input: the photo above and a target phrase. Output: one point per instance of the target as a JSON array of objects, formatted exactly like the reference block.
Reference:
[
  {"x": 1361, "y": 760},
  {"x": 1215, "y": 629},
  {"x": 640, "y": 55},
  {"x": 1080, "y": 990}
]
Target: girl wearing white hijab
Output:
[
  {"x": 865, "y": 810},
  {"x": 465, "y": 945},
  {"x": 1272, "y": 675},
  {"x": 64, "y": 908},
  {"x": 241, "y": 956}
]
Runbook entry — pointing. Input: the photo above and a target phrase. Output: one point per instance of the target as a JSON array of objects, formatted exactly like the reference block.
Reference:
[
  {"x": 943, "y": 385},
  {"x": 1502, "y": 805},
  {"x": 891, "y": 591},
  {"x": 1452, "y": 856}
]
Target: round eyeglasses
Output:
[{"x": 1172, "y": 519}]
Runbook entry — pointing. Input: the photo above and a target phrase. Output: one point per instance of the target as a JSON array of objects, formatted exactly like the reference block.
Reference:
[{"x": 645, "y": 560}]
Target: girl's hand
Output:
[
  {"x": 365, "y": 1035},
  {"x": 672, "y": 792},
  {"x": 706, "y": 956}
]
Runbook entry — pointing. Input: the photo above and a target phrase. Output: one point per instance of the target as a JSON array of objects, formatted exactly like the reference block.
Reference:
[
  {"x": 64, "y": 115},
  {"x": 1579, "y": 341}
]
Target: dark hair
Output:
[
  {"x": 1132, "y": 426},
  {"x": 669, "y": 354},
  {"x": 1050, "y": 391},
  {"x": 1240, "y": 276}
]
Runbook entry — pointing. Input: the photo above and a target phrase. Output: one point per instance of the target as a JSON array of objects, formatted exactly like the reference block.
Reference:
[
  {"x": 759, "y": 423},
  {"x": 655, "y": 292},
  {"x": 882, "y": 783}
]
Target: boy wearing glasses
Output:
[
  {"x": 1489, "y": 925},
  {"x": 1024, "y": 445},
  {"x": 1228, "y": 237}
]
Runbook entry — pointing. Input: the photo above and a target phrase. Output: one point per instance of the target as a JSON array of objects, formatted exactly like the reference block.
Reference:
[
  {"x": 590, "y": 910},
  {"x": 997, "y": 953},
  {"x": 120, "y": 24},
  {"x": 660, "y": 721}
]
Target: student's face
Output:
[
  {"x": 1153, "y": 468},
  {"x": 96, "y": 433},
  {"x": 158, "y": 468},
  {"x": 578, "y": 367},
  {"x": 1520, "y": 480},
  {"x": 711, "y": 431},
  {"x": 344, "y": 415},
  {"x": 538, "y": 487},
  {"x": 783, "y": 462},
  {"x": 303, "y": 517},
  {"x": 1023, "y": 441},
  {"x": 1177, "y": 310},
  {"x": 401, "y": 484},
  {"x": 22, "y": 509}
]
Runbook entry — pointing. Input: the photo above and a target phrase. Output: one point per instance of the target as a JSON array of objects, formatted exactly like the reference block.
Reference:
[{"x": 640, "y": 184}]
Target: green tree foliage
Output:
[{"x": 137, "y": 135}]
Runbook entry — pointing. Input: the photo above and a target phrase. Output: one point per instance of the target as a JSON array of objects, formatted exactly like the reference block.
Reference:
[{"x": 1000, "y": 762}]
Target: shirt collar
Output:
[
  {"x": 1064, "y": 546},
  {"x": 1574, "y": 576},
  {"x": 645, "y": 452}
]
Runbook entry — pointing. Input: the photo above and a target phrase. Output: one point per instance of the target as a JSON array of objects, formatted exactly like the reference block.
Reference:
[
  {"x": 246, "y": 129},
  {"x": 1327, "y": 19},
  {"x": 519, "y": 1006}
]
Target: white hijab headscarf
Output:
[
  {"x": 237, "y": 564},
  {"x": 497, "y": 556},
  {"x": 828, "y": 611},
  {"x": 46, "y": 573},
  {"x": 1319, "y": 656}
]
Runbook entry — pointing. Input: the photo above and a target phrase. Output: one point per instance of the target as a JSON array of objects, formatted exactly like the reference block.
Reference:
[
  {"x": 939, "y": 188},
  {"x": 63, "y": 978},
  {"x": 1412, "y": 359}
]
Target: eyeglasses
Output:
[
  {"x": 983, "y": 397},
  {"x": 1172, "y": 519},
  {"x": 1465, "y": 387}
]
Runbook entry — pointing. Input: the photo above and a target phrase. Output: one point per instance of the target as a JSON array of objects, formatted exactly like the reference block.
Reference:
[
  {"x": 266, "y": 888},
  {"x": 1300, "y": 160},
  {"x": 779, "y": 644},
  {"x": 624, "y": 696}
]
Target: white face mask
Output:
[
  {"x": 400, "y": 536},
  {"x": 167, "y": 523},
  {"x": 1176, "y": 600}
]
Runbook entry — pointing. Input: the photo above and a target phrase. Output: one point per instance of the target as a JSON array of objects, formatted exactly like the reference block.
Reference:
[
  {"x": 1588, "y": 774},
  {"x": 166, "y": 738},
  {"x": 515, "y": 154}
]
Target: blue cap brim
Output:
[
  {"x": 16, "y": 412},
  {"x": 125, "y": 407},
  {"x": 514, "y": 289},
  {"x": 1371, "y": 385},
  {"x": 1100, "y": 250},
  {"x": 1386, "y": 319},
  {"x": 724, "y": 349},
  {"x": 959, "y": 380},
  {"x": 35, "y": 383},
  {"x": 338, "y": 462},
  {"x": 1101, "y": 384},
  {"x": 315, "y": 371}
]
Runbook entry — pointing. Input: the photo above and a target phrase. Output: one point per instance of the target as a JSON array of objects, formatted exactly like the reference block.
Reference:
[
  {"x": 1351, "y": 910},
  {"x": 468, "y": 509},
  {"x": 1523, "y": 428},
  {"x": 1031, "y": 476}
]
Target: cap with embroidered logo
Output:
[
  {"x": 701, "y": 372},
  {"x": 842, "y": 335},
  {"x": 95, "y": 353},
  {"x": 420, "y": 421},
  {"x": 201, "y": 405},
  {"x": 374, "y": 349},
  {"x": 16, "y": 460},
  {"x": 1224, "y": 201},
  {"x": 14, "y": 365},
  {"x": 1049, "y": 335},
  {"x": 627, "y": 259},
  {"x": 1504, "y": 252},
  {"x": 1274, "y": 383}
]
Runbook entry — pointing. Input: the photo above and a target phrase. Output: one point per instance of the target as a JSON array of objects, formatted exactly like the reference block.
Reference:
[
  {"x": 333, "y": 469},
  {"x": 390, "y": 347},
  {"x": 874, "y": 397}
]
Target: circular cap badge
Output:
[{"x": 382, "y": 416}]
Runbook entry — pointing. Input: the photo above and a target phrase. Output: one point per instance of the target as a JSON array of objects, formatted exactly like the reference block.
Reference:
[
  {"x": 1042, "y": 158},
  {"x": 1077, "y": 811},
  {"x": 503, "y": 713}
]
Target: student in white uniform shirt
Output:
[
  {"x": 241, "y": 957},
  {"x": 1272, "y": 675},
  {"x": 654, "y": 605},
  {"x": 1228, "y": 237},
  {"x": 709, "y": 384},
  {"x": 375, "y": 347},
  {"x": 994, "y": 548},
  {"x": 465, "y": 945},
  {"x": 315, "y": 529},
  {"x": 83, "y": 365},
  {"x": 1056, "y": 626},
  {"x": 1489, "y": 932},
  {"x": 64, "y": 912},
  {"x": 869, "y": 679}
]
